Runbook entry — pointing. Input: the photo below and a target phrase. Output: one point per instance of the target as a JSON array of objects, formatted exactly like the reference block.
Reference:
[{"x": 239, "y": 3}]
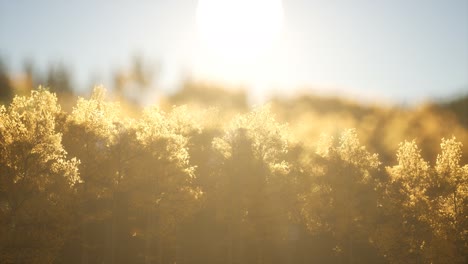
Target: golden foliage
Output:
[{"x": 121, "y": 189}]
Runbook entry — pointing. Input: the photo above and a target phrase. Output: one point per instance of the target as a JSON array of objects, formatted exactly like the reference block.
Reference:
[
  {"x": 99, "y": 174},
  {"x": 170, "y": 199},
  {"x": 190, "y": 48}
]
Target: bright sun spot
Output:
[{"x": 239, "y": 30}]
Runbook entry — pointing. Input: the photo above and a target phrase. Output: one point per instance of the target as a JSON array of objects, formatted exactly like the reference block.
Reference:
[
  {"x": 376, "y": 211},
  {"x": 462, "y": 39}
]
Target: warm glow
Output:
[{"x": 240, "y": 29}]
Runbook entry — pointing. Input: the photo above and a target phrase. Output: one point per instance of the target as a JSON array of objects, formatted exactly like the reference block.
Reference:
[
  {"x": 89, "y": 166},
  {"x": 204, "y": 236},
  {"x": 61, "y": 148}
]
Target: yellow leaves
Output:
[
  {"x": 97, "y": 116},
  {"x": 463, "y": 188},
  {"x": 186, "y": 122},
  {"x": 40, "y": 101},
  {"x": 2, "y": 114},
  {"x": 258, "y": 130},
  {"x": 435, "y": 196},
  {"x": 168, "y": 133},
  {"x": 348, "y": 150},
  {"x": 449, "y": 160},
  {"x": 410, "y": 163},
  {"x": 156, "y": 123},
  {"x": 412, "y": 174},
  {"x": 31, "y": 145},
  {"x": 223, "y": 147},
  {"x": 446, "y": 208},
  {"x": 282, "y": 167},
  {"x": 416, "y": 175},
  {"x": 32, "y": 117},
  {"x": 152, "y": 124},
  {"x": 157, "y": 129},
  {"x": 351, "y": 150},
  {"x": 70, "y": 168},
  {"x": 145, "y": 164}
]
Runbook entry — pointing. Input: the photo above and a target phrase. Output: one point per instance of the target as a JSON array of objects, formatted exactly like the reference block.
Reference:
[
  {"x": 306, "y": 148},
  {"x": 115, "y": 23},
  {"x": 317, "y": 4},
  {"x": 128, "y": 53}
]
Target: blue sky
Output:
[{"x": 389, "y": 49}]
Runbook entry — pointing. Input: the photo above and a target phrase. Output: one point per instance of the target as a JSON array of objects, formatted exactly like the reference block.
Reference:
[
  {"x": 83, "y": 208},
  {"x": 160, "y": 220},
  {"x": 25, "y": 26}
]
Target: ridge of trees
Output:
[{"x": 190, "y": 185}]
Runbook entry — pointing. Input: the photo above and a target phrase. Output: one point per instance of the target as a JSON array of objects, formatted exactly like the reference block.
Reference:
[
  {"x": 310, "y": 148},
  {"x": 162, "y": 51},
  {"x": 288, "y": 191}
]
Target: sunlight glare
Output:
[{"x": 239, "y": 30}]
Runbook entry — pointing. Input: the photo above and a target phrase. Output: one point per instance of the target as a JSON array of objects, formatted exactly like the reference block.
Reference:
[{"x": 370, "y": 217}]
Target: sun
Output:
[{"x": 239, "y": 29}]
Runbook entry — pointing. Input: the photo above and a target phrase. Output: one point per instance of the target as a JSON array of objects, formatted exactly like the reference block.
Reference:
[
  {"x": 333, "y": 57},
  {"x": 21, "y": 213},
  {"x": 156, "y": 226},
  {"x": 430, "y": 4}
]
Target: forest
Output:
[{"x": 203, "y": 177}]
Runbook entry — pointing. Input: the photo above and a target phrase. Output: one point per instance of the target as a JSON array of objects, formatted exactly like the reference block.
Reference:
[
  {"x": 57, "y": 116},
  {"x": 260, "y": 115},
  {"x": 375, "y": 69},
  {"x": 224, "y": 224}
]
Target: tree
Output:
[
  {"x": 255, "y": 186},
  {"x": 91, "y": 133},
  {"x": 427, "y": 205},
  {"x": 342, "y": 199},
  {"x": 450, "y": 203},
  {"x": 37, "y": 181},
  {"x": 164, "y": 179}
]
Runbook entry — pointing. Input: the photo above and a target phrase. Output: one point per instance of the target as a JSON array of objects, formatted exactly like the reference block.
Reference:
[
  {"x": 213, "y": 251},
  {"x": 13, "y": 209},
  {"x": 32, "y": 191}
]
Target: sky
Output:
[{"x": 397, "y": 50}]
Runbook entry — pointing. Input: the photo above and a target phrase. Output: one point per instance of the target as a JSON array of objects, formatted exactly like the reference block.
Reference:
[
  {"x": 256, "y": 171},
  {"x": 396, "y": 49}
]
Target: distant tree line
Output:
[
  {"x": 135, "y": 78},
  {"x": 190, "y": 185}
]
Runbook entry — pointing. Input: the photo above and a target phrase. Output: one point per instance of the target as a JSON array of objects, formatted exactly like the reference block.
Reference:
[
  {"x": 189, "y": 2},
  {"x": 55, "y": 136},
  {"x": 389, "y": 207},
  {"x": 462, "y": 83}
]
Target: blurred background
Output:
[{"x": 397, "y": 52}]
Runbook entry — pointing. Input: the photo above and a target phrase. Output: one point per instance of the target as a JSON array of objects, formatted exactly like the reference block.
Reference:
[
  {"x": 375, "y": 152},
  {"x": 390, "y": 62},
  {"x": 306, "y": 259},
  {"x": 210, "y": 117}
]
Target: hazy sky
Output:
[{"x": 401, "y": 50}]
